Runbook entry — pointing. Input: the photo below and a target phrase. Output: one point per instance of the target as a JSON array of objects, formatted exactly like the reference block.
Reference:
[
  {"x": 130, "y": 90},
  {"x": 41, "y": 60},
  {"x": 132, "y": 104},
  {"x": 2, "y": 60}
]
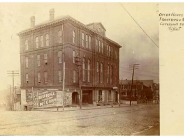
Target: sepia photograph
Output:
[{"x": 79, "y": 69}]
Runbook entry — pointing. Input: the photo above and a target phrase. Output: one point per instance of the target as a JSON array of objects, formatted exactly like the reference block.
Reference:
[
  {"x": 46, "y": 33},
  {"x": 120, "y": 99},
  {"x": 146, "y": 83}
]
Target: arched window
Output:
[
  {"x": 47, "y": 40},
  {"x": 83, "y": 71}
]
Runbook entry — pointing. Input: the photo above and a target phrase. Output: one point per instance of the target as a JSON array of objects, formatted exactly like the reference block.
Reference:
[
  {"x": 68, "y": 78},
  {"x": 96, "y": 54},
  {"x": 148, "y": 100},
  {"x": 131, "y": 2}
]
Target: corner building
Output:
[{"x": 45, "y": 47}]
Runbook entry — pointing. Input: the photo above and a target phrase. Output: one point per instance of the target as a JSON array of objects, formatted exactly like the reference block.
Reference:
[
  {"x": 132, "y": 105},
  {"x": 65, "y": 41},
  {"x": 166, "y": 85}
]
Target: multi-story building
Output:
[{"x": 48, "y": 48}]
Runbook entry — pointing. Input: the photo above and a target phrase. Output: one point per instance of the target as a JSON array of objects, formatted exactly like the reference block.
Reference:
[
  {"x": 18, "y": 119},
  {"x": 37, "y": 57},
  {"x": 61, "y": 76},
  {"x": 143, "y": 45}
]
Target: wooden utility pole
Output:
[
  {"x": 135, "y": 66},
  {"x": 13, "y": 73}
]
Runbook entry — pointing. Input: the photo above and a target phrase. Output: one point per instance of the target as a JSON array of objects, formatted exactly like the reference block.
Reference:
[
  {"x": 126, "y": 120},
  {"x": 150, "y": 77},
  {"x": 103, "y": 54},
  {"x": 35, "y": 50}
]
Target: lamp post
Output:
[{"x": 77, "y": 62}]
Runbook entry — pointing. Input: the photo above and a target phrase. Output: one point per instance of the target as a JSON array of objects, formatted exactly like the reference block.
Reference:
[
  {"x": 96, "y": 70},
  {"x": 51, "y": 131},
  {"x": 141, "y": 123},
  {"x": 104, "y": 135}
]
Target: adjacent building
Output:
[
  {"x": 142, "y": 90},
  {"x": 48, "y": 52}
]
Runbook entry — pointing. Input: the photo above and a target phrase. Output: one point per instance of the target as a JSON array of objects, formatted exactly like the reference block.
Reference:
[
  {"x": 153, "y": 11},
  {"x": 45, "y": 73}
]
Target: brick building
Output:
[{"x": 45, "y": 47}]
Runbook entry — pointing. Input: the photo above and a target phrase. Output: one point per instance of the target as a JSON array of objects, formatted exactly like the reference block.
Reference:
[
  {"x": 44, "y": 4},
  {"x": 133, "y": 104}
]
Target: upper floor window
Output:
[
  {"x": 37, "y": 42},
  {"x": 101, "y": 72},
  {"x": 89, "y": 42},
  {"x": 38, "y": 60},
  {"x": 47, "y": 40},
  {"x": 60, "y": 75},
  {"x": 41, "y": 41},
  {"x": 116, "y": 55},
  {"x": 82, "y": 39},
  {"x": 74, "y": 54},
  {"x": 88, "y": 70},
  {"x": 84, "y": 69},
  {"x": 102, "y": 47},
  {"x": 99, "y": 46},
  {"x": 97, "y": 70},
  {"x": 111, "y": 73},
  {"x": 60, "y": 56},
  {"x": 27, "y": 79},
  {"x": 109, "y": 51},
  {"x": 26, "y": 45},
  {"x": 108, "y": 73},
  {"x": 26, "y": 62},
  {"x": 39, "y": 78},
  {"x": 45, "y": 77},
  {"x": 74, "y": 37},
  {"x": 60, "y": 36},
  {"x": 86, "y": 41},
  {"x": 96, "y": 43},
  {"x": 45, "y": 58},
  {"x": 74, "y": 76}
]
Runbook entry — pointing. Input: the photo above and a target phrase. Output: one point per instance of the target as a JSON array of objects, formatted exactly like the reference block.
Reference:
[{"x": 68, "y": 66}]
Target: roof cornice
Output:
[{"x": 63, "y": 19}]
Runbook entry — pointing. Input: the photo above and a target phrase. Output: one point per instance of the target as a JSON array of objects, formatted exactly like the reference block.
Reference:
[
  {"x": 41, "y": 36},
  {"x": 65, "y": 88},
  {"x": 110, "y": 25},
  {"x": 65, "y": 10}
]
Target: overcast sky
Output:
[{"x": 120, "y": 27}]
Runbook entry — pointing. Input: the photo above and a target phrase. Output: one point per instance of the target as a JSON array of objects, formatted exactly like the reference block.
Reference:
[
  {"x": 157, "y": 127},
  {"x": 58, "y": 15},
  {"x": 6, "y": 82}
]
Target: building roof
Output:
[
  {"x": 145, "y": 82},
  {"x": 97, "y": 23},
  {"x": 63, "y": 18}
]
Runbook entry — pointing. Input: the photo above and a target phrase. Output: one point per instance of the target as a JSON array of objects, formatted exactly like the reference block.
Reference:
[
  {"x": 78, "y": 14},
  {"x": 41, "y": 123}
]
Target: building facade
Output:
[
  {"x": 48, "y": 54},
  {"x": 142, "y": 90}
]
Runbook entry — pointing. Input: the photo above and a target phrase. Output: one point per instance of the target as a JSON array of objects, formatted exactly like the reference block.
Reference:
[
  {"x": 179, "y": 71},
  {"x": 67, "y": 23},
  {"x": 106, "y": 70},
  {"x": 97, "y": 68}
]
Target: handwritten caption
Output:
[{"x": 173, "y": 21}]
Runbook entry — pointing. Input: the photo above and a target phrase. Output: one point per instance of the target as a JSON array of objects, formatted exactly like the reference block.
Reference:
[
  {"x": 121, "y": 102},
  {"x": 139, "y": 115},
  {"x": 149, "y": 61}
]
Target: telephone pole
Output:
[
  {"x": 135, "y": 66},
  {"x": 13, "y": 73}
]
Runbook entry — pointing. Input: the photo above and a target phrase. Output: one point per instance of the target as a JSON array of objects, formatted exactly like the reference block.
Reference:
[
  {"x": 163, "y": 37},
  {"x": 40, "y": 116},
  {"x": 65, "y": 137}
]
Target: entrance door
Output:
[
  {"x": 87, "y": 96},
  {"x": 116, "y": 97},
  {"x": 75, "y": 98}
]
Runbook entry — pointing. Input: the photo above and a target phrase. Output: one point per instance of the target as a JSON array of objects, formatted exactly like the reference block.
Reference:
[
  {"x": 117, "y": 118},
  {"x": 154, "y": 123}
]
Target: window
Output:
[
  {"x": 38, "y": 60},
  {"x": 27, "y": 79},
  {"x": 26, "y": 62},
  {"x": 102, "y": 47},
  {"x": 107, "y": 50},
  {"x": 26, "y": 45},
  {"x": 73, "y": 56},
  {"x": 45, "y": 77},
  {"x": 101, "y": 72},
  {"x": 86, "y": 41},
  {"x": 41, "y": 41},
  {"x": 89, "y": 42},
  {"x": 112, "y": 52},
  {"x": 88, "y": 70},
  {"x": 96, "y": 45},
  {"x": 74, "y": 76},
  {"x": 47, "y": 40},
  {"x": 97, "y": 70},
  {"x": 60, "y": 75},
  {"x": 108, "y": 72},
  {"x": 116, "y": 55},
  {"x": 99, "y": 46},
  {"x": 109, "y": 95},
  {"x": 45, "y": 58},
  {"x": 82, "y": 39},
  {"x": 74, "y": 37},
  {"x": 39, "y": 79},
  {"x": 83, "y": 67},
  {"x": 37, "y": 42},
  {"x": 60, "y": 56},
  {"x": 111, "y": 71},
  {"x": 59, "y": 36}
]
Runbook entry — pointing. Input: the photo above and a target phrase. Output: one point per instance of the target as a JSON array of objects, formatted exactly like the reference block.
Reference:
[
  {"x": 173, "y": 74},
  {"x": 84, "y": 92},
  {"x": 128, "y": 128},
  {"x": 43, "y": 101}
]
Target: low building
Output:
[{"x": 141, "y": 90}]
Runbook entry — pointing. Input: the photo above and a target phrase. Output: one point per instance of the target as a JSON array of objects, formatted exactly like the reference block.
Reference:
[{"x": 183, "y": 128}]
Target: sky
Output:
[{"x": 137, "y": 47}]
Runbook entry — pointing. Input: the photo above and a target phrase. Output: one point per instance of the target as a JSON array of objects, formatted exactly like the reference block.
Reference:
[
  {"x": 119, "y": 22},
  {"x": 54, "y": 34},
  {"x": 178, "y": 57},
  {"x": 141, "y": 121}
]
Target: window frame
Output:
[{"x": 47, "y": 40}]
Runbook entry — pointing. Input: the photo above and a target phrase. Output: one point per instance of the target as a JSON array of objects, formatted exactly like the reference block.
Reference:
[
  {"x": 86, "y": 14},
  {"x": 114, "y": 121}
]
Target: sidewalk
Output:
[{"x": 84, "y": 107}]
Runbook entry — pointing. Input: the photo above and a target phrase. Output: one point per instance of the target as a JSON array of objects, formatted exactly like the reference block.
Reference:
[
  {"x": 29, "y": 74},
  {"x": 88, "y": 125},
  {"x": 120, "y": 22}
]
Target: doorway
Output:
[{"x": 75, "y": 98}]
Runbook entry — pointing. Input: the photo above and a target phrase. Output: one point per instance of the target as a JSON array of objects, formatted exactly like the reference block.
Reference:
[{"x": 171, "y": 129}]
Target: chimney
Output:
[
  {"x": 32, "y": 21},
  {"x": 51, "y": 14}
]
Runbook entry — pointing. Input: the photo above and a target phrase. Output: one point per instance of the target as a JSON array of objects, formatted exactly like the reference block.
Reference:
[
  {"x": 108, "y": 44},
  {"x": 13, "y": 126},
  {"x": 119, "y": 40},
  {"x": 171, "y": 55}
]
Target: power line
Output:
[{"x": 139, "y": 26}]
